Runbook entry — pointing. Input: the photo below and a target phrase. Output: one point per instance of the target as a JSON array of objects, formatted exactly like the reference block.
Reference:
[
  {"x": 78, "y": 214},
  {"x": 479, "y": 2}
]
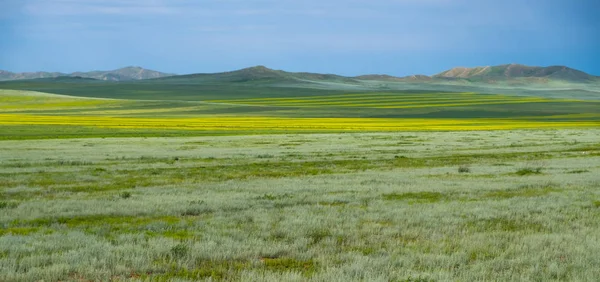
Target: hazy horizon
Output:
[
  {"x": 395, "y": 37},
  {"x": 247, "y": 67}
]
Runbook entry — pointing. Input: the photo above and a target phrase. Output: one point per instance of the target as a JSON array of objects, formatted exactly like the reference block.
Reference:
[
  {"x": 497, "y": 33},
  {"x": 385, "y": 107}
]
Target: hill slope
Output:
[
  {"x": 258, "y": 75},
  {"x": 260, "y": 81},
  {"x": 508, "y": 73},
  {"x": 516, "y": 71}
]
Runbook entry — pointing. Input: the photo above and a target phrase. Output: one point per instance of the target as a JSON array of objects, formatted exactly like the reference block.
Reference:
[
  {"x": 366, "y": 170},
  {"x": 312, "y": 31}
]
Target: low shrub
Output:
[
  {"x": 179, "y": 250},
  {"x": 8, "y": 205},
  {"x": 529, "y": 171},
  {"x": 464, "y": 169}
]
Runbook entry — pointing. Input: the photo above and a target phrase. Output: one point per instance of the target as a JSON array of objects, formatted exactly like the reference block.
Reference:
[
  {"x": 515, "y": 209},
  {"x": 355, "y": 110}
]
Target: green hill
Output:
[
  {"x": 260, "y": 81},
  {"x": 516, "y": 71},
  {"x": 511, "y": 73},
  {"x": 64, "y": 78},
  {"x": 257, "y": 75}
]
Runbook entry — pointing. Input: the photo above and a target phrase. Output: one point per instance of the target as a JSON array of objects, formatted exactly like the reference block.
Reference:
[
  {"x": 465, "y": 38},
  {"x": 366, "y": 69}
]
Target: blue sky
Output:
[{"x": 348, "y": 37}]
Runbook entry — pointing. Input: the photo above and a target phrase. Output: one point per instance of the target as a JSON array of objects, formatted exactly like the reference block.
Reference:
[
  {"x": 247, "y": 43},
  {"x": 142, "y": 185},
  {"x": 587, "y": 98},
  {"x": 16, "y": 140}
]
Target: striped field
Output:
[
  {"x": 394, "y": 100},
  {"x": 30, "y": 113},
  {"x": 290, "y": 124}
]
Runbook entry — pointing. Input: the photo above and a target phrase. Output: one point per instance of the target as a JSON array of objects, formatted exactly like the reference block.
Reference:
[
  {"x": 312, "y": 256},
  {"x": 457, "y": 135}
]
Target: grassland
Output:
[
  {"x": 32, "y": 115},
  {"x": 394, "y": 100},
  {"x": 299, "y": 185},
  {"x": 297, "y": 207}
]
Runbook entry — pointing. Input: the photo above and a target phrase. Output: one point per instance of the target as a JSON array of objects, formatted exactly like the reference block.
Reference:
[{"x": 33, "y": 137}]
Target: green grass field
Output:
[
  {"x": 35, "y": 115},
  {"x": 430, "y": 206},
  {"x": 154, "y": 181}
]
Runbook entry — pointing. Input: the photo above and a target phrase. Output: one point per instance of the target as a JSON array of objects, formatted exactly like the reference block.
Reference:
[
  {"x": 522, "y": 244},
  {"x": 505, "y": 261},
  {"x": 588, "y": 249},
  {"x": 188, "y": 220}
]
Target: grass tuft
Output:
[
  {"x": 196, "y": 211},
  {"x": 8, "y": 205},
  {"x": 22, "y": 231},
  {"x": 306, "y": 267},
  {"x": 417, "y": 279},
  {"x": 333, "y": 203},
  {"x": 578, "y": 171},
  {"x": 529, "y": 171},
  {"x": 525, "y": 191},
  {"x": 318, "y": 235},
  {"x": 180, "y": 250},
  {"x": 265, "y": 156},
  {"x": 418, "y": 197},
  {"x": 273, "y": 197},
  {"x": 464, "y": 169},
  {"x": 503, "y": 224}
]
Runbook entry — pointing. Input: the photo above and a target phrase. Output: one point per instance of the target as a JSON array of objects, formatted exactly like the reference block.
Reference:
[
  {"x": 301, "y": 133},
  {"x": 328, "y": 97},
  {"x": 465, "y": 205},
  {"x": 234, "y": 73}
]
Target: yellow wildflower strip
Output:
[
  {"x": 289, "y": 124},
  {"x": 353, "y": 98},
  {"x": 151, "y": 111},
  {"x": 466, "y": 103},
  {"x": 393, "y": 100},
  {"x": 408, "y": 105},
  {"x": 357, "y": 95},
  {"x": 405, "y": 102},
  {"x": 566, "y": 116},
  {"x": 382, "y": 100}
]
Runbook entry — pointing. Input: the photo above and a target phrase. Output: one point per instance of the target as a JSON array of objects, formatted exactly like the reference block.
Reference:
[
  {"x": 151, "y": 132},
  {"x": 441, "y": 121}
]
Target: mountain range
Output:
[
  {"x": 509, "y": 74},
  {"x": 122, "y": 74}
]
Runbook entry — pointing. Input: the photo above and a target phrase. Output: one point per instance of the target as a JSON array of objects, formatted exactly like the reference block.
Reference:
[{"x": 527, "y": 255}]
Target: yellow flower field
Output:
[
  {"x": 22, "y": 108},
  {"x": 291, "y": 124},
  {"x": 393, "y": 101}
]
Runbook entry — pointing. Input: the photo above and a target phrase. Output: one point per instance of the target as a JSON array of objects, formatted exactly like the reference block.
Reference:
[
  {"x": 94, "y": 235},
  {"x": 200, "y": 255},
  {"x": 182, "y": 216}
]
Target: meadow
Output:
[
  {"x": 331, "y": 186},
  {"x": 427, "y": 206},
  {"x": 32, "y": 115}
]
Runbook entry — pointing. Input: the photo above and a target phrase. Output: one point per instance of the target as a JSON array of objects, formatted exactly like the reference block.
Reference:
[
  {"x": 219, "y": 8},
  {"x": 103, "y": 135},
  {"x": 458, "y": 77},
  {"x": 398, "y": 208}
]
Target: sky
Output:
[{"x": 346, "y": 37}]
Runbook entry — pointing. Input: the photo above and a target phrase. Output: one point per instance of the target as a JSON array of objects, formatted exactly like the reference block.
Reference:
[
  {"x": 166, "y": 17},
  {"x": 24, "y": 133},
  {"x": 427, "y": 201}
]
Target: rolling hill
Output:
[
  {"x": 501, "y": 73},
  {"x": 6, "y": 75},
  {"x": 260, "y": 81},
  {"x": 516, "y": 71},
  {"x": 122, "y": 74},
  {"x": 511, "y": 79},
  {"x": 510, "y": 73},
  {"x": 258, "y": 74}
]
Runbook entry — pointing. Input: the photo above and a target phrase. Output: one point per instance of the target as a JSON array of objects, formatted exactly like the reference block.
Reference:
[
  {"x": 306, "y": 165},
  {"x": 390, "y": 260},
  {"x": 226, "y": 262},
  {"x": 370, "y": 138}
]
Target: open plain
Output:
[
  {"x": 425, "y": 206},
  {"x": 392, "y": 140},
  {"x": 373, "y": 186}
]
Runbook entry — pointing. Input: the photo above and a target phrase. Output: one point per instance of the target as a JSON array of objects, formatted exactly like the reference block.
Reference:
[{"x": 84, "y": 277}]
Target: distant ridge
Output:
[
  {"x": 385, "y": 77},
  {"x": 516, "y": 71},
  {"x": 259, "y": 74},
  {"x": 259, "y": 81},
  {"x": 6, "y": 75},
  {"x": 122, "y": 74},
  {"x": 509, "y": 73}
]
